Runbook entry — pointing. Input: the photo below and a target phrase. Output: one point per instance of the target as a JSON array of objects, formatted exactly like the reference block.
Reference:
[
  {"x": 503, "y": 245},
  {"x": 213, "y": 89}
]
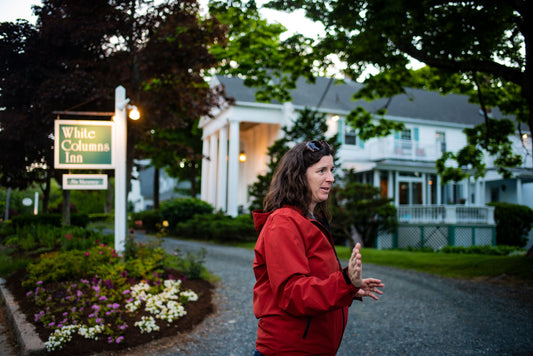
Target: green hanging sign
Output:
[{"x": 84, "y": 144}]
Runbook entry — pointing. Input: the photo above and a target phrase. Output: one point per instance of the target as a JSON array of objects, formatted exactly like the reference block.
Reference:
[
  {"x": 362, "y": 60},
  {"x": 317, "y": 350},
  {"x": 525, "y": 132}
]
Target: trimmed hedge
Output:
[
  {"x": 49, "y": 219},
  {"x": 513, "y": 223},
  {"x": 218, "y": 227}
]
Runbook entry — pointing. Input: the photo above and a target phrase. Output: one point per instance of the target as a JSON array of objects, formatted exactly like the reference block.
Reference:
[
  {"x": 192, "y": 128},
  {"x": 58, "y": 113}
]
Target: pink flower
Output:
[
  {"x": 86, "y": 254},
  {"x": 68, "y": 236},
  {"x": 119, "y": 339}
]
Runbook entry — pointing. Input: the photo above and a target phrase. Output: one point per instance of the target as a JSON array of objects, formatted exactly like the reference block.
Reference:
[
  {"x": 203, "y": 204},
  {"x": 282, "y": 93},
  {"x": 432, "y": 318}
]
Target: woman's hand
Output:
[{"x": 368, "y": 286}]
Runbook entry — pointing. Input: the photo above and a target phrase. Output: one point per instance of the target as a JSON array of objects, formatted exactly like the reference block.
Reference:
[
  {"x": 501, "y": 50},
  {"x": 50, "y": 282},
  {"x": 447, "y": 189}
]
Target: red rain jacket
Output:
[{"x": 301, "y": 296}]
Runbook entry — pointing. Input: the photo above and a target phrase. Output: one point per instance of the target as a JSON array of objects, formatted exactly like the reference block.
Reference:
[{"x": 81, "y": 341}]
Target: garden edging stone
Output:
[{"x": 28, "y": 340}]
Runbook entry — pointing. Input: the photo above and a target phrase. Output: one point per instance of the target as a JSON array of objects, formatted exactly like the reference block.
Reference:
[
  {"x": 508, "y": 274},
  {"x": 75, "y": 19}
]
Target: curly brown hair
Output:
[{"x": 289, "y": 183}]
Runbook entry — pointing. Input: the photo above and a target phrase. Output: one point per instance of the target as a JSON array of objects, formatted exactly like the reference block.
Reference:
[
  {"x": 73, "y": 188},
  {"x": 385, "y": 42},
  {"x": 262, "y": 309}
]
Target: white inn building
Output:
[{"x": 402, "y": 165}]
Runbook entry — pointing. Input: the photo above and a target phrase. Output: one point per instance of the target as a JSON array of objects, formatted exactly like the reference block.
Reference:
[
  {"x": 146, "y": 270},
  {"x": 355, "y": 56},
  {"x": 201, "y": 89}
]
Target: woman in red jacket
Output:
[{"x": 302, "y": 294}]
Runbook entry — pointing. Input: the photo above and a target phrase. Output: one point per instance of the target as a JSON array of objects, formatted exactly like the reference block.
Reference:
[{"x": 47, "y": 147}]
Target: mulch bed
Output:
[{"x": 196, "y": 312}]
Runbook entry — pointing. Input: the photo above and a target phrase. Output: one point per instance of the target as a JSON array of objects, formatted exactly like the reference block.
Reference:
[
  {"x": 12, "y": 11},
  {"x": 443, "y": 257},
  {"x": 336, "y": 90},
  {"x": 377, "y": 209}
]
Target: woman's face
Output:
[{"x": 319, "y": 179}]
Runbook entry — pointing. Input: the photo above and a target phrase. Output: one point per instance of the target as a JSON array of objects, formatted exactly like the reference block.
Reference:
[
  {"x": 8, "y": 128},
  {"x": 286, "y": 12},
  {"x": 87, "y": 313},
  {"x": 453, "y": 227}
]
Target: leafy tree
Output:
[
  {"x": 47, "y": 67},
  {"x": 477, "y": 47},
  {"x": 256, "y": 52},
  {"x": 359, "y": 210},
  {"x": 310, "y": 125},
  {"x": 77, "y": 54},
  {"x": 170, "y": 68}
]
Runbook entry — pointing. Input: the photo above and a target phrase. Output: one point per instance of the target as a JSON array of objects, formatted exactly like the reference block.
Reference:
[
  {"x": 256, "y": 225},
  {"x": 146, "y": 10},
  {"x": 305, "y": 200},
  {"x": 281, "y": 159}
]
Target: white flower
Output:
[
  {"x": 189, "y": 295},
  {"x": 60, "y": 337},
  {"x": 147, "y": 324}
]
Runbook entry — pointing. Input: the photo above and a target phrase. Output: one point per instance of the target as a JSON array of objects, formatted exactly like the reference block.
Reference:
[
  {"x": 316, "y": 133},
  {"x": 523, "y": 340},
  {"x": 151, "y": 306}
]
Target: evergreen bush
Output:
[
  {"x": 218, "y": 227},
  {"x": 513, "y": 223},
  {"x": 182, "y": 209}
]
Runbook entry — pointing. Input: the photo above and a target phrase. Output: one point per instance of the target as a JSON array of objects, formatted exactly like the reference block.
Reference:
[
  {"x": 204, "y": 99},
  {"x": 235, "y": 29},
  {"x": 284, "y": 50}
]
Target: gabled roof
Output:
[{"x": 415, "y": 104}]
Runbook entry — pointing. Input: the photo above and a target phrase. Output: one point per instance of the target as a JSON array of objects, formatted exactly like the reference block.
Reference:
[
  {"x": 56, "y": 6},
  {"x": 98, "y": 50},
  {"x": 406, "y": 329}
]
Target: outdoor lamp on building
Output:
[{"x": 242, "y": 157}]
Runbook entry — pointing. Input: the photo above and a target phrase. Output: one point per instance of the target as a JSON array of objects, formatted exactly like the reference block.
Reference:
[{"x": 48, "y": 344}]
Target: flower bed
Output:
[
  {"x": 130, "y": 335},
  {"x": 83, "y": 302}
]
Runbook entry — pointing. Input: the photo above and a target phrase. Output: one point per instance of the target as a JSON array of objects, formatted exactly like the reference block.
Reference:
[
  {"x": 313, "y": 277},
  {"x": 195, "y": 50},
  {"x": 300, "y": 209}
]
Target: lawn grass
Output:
[
  {"x": 449, "y": 264},
  {"x": 468, "y": 266}
]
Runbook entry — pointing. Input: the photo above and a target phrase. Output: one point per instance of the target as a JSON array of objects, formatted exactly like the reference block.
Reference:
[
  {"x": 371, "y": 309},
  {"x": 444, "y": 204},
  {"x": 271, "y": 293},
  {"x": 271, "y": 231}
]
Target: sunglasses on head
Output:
[{"x": 315, "y": 146}]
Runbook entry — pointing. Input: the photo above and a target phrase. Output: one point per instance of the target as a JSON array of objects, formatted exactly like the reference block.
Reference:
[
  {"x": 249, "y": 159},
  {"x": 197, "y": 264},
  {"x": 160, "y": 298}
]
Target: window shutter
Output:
[{"x": 340, "y": 130}]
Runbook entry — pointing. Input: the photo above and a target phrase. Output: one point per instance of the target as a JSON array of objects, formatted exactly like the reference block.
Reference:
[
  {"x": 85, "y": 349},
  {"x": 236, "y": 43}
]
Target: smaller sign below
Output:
[
  {"x": 27, "y": 201},
  {"x": 85, "y": 181}
]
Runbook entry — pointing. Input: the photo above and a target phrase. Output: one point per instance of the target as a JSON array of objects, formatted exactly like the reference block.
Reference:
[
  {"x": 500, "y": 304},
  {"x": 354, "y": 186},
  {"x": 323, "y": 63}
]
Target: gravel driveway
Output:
[{"x": 418, "y": 314}]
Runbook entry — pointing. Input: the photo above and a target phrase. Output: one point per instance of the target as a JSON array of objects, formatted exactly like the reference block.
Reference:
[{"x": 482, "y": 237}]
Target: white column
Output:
[
  {"x": 233, "y": 168},
  {"x": 377, "y": 177},
  {"x": 439, "y": 190},
  {"x": 204, "y": 194},
  {"x": 213, "y": 170},
  {"x": 222, "y": 188},
  {"x": 390, "y": 179},
  {"x": 424, "y": 189},
  {"x": 396, "y": 189},
  {"x": 483, "y": 193},
  {"x": 518, "y": 191}
]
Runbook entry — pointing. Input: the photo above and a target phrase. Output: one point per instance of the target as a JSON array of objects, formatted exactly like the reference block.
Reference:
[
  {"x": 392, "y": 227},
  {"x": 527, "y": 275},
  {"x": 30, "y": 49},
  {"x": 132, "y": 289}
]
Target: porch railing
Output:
[{"x": 446, "y": 214}]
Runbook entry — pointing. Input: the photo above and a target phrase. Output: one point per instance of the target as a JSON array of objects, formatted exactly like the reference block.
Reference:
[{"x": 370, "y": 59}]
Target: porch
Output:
[
  {"x": 446, "y": 214},
  {"x": 436, "y": 226}
]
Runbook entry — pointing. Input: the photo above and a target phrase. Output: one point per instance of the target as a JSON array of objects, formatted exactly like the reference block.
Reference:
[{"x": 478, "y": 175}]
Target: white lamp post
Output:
[
  {"x": 121, "y": 144},
  {"x": 121, "y": 134}
]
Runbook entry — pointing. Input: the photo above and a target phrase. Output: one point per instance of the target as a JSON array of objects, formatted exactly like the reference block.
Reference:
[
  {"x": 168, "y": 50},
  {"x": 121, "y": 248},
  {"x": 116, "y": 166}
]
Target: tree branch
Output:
[{"x": 513, "y": 75}]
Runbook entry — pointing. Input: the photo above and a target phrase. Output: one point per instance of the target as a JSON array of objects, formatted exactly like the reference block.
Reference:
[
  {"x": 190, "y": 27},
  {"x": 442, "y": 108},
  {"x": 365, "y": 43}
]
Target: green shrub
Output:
[
  {"x": 69, "y": 265},
  {"x": 40, "y": 219},
  {"x": 6, "y": 228},
  {"x": 218, "y": 227},
  {"x": 8, "y": 264},
  {"x": 49, "y": 219},
  {"x": 100, "y": 217},
  {"x": 78, "y": 238},
  {"x": 42, "y": 235},
  {"x": 192, "y": 265},
  {"x": 513, "y": 223},
  {"x": 47, "y": 237},
  {"x": 179, "y": 210},
  {"x": 151, "y": 219}
]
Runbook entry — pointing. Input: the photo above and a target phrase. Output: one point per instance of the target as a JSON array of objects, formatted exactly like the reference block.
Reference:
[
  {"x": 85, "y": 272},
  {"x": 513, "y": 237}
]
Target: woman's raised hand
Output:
[{"x": 368, "y": 286}]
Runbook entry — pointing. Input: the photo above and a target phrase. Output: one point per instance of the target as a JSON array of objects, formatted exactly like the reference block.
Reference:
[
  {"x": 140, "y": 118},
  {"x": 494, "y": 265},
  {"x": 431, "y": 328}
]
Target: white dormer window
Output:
[{"x": 350, "y": 137}]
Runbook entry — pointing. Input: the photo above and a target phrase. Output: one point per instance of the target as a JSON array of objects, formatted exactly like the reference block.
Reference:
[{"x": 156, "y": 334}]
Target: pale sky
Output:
[
  {"x": 11, "y": 10},
  {"x": 296, "y": 22}
]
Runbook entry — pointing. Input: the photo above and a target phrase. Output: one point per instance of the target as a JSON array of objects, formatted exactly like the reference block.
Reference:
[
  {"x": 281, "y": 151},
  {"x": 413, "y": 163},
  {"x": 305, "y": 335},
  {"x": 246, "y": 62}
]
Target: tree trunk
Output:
[
  {"x": 46, "y": 193},
  {"x": 192, "y": 179},
  {"x": 66, "y": 207},
  {"x": 156, "y": 188}
]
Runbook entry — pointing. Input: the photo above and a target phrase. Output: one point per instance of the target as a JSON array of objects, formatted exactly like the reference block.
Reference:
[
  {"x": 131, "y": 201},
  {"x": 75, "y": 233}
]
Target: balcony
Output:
[
  {"x": 446, "y": 214},
  {"x": 390, "y": 148}
]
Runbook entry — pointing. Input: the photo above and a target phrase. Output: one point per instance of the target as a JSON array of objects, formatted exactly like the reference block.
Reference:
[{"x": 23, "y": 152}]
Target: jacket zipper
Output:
[{"x": 307, "y": 327}]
